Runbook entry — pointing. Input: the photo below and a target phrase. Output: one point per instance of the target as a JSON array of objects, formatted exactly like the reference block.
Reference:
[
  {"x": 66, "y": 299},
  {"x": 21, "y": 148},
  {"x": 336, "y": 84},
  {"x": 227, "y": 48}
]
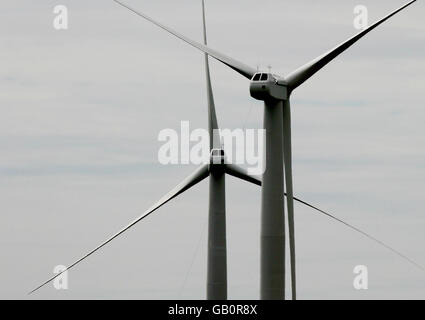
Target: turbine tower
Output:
[{"x": 275, "y": 91}]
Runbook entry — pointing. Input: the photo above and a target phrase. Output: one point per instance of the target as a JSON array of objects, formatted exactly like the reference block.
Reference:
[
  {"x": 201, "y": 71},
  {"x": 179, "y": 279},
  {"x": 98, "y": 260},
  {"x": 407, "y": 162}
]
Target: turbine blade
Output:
[
  {"x": 241, "y": 173},
  {"x": 241, "y": 68},
  {"x": 365, "y": 234},
  {"x": 287, "y": 154},
  {"x": 303, "y": 73},
  {"x": 212, "y": 117},
  {"x": 197, "y": 176}
]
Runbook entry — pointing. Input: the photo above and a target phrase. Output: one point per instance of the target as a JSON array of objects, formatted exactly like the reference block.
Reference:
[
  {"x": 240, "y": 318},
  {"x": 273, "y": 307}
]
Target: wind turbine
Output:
[
  {"x": 215, "y": 170},
  {"x": 275, "y": 92}
]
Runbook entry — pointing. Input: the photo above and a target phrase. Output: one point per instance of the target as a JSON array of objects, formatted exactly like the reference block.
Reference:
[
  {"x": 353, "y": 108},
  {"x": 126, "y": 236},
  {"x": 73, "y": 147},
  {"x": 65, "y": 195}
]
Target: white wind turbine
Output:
[{"x": 275, "y": 92}]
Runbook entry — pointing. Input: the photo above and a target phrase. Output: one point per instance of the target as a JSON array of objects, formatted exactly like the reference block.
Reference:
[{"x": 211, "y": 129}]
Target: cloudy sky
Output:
[{"x": 81, "y": 110}]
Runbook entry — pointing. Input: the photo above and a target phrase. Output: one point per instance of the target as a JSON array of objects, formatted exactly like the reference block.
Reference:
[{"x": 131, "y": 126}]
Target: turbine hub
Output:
[{"x": 266, "y": 86}]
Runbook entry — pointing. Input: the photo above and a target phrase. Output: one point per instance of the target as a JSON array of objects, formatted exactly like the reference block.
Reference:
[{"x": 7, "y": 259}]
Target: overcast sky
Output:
[{"x": 81, "y": 109}]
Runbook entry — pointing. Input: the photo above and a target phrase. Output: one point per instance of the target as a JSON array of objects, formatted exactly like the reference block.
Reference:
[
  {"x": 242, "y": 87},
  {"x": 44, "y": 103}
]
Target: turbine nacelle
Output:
[
  {"x": 217, "y": 158},
  {"x": 266, "y": 86}
]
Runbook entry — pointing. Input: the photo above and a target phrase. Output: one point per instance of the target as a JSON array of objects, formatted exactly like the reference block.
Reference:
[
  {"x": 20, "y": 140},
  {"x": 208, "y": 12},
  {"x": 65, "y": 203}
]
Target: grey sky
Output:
[{"x": 81, "y": 110}]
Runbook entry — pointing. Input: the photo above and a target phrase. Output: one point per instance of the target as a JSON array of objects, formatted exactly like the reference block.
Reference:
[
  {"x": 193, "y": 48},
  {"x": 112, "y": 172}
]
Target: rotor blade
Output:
[
  {"x": 197, "y": 176},
  {"x": 241, "y": 68},
  {"x": 303, "y": 73},
  {"x": 212, "y": 117},
  {"x": 365, "y": 234},
  {"x": 241, "y": 173},
  {"x": 287, "y": 154}
]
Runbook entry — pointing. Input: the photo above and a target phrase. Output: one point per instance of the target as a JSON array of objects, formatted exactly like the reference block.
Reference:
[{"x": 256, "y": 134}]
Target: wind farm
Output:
[{"x": 276, "y": 182}]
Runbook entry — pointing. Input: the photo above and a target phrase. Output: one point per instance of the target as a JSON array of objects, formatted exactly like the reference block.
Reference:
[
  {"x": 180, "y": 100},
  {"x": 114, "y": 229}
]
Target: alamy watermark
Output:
[
  {"x": 361, "y": 280},
  {"x": 361, "y": 17},
  {"x": 244, "y": 147},
  {"x": 61, "y": 281},
  {"x": 60, "y": 21}
]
